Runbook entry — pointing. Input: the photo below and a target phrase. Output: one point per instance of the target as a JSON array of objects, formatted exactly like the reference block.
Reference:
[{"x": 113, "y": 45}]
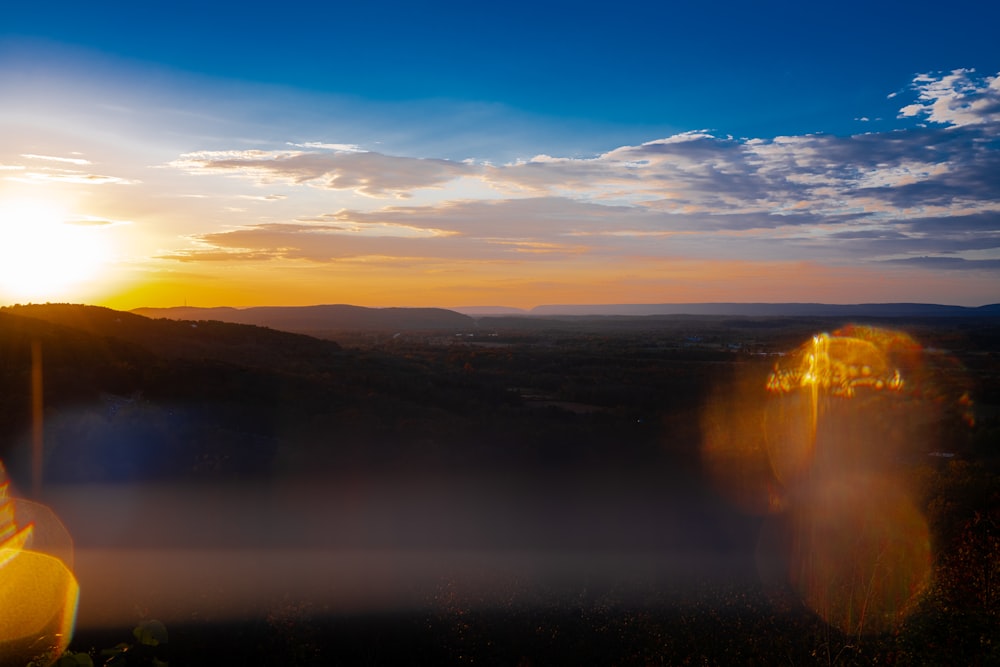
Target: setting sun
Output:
[{"x": 44, "y": 254}]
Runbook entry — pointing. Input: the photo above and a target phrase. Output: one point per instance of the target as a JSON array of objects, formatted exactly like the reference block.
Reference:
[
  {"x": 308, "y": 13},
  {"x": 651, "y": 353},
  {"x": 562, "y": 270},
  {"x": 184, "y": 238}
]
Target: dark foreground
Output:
[
  {"x": 496, "y": 571},
  {"x": 570, "y": 492},
  {"x": 725, "y": 626}
]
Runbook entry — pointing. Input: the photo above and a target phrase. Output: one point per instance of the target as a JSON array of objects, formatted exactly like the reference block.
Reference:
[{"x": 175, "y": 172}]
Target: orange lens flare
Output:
[
  {"x": 820, "y": 442},
  {"x": 860, "y": 568},
  {"x": 38, "y": 593}
]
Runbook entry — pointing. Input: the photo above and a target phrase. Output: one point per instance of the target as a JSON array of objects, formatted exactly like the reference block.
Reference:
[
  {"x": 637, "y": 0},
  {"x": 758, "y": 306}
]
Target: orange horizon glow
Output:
[
  {"x": 50, "y": 251},
  {"x": 673, "y": 280}
]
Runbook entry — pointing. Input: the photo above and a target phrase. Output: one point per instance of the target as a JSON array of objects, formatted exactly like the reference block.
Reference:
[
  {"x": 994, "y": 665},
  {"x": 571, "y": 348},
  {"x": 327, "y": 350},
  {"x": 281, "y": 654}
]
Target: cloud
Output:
[
  {"x": 50, "y": 158},
  {"x": 92, "y": 221},
  {"x": 327, "y": 243},
  {"x": 950, "y": 263},
  {"x": 202, "y": 255},
  {"x": 59, "y": 172},
  {"x": 970, "y": 238},
  {"x": 888, "y": 174},
  {"x": 958, "y": 98},
  {"x": 342, "y": 148},
  {"x": 271, "y": 197},
  {"x": 336, "y": 168},
  {"x": 512, "y": 218},
  {"x": 73, "y": 177},
  {"x": 925, "y": 190}
]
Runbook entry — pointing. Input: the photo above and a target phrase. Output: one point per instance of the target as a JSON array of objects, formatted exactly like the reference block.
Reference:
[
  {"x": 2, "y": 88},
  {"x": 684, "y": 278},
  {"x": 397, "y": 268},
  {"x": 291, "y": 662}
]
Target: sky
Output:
[{"x": 499, "y": 154}]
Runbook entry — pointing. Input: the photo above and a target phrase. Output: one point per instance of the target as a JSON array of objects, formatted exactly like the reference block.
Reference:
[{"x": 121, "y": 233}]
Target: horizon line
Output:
[{"x": 583, "y": 305}]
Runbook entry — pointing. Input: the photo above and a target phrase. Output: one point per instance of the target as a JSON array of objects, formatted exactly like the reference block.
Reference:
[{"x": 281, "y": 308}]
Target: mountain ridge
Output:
[
  {"x": 894, "y": 309},
  {"x": 319, "y": 318},
  {"x": 333, "y": 317}
]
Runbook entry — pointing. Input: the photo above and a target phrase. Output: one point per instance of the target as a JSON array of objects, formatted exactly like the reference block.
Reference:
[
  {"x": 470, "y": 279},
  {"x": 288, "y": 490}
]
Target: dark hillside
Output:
[
  {"x": 132, "y": 398},
  {"x": 232, "y": 343}
]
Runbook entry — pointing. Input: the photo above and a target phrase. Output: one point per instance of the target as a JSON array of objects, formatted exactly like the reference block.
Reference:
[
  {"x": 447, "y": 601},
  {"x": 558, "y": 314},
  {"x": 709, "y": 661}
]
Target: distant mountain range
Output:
[
  {"x": 772, "y": 309},
  {"x": 326, "y": 319},
  {"x": 322, "y": 319}
]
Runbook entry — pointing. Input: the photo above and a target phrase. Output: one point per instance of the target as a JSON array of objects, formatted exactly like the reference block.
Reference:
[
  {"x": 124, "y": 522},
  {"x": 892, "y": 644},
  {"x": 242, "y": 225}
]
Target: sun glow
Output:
[{"x": 44, "y": 253}]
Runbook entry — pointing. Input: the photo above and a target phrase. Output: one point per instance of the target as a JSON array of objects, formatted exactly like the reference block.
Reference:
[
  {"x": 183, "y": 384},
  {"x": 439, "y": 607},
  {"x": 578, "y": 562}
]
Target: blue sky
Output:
[
  {"x": 747, "y": 69},
  {"x": 513, "y": 154}
]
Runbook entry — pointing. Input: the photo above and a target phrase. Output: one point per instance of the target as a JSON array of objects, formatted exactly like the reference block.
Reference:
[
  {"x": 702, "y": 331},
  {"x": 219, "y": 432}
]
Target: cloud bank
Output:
[{"x": 924, "y": 194}]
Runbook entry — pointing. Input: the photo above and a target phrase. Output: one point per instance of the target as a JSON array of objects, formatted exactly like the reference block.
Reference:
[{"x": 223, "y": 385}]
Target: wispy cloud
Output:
[
  {"x": 73, "y": 177},
  {"x": 39, "y": 173},
  {"x": 326, "y": 243},
  {"x": 51, "y": 158},
  {"x": 951, "y": 263},
  {"x": 92, "y": 221},
  {"x": 271, "y": 197},
  {"x": 336, "y": 168}
]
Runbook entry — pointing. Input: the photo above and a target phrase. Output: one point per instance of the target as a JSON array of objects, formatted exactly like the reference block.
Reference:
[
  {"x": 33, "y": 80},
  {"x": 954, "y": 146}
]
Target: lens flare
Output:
[
  {"x": 820, "y": 443},
  {"x": 38, "y": 592},
  {"x": 859, "y": 568}
]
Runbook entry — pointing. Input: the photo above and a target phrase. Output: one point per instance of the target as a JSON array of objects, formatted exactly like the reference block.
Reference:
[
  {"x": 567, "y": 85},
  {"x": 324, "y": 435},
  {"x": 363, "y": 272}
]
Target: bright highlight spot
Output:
[
  {"x": 43, "y": 256},
  {"x": 820, "y": 444},
  {"x": 38, "y": 593}
]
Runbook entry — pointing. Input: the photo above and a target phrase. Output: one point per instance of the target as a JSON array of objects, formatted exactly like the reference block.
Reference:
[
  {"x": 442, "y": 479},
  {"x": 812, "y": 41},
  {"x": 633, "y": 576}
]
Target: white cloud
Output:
[
  {"x": 73, "y": 177},
  {"x": 905, "y": 173},
  {"x": 326, "y": 243},
  {"x": 341, "y": 148},
  {"x": 94, "y": 221},
  {"x": 958, "y": 98},
  {"x": 364, "y": 172},
  {"x": 50, "y": 158},
  {"x": 271, "y": 197}
]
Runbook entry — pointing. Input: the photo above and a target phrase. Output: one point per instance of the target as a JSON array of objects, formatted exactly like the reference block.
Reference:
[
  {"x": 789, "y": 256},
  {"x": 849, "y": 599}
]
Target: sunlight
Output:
[{"x": 43, "y": 255}]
